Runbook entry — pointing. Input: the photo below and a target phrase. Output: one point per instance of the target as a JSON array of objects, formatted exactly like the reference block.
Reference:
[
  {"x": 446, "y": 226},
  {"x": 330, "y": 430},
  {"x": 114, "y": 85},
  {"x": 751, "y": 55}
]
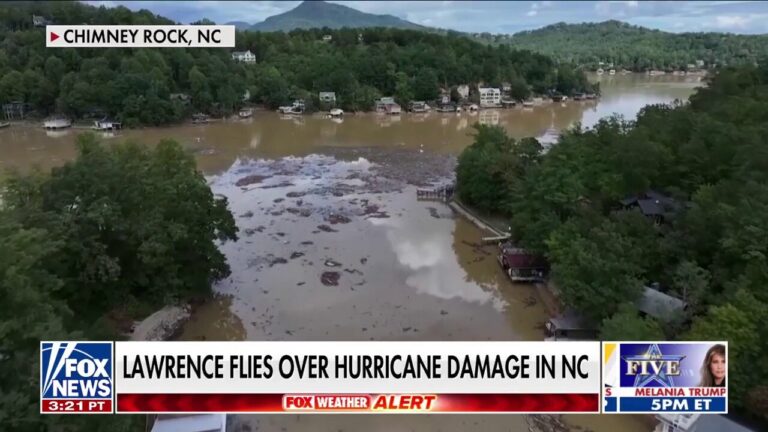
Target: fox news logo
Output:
[{"x": 76, "y": 370}]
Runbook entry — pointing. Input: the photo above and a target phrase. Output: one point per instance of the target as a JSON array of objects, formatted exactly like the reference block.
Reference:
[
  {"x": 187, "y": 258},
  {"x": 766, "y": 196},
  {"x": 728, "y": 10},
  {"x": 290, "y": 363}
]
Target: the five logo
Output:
[{"x": 76, "y": 377}]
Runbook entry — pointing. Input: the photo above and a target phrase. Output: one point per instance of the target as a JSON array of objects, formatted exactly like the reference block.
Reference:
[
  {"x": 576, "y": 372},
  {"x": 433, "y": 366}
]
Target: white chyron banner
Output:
[
  {"x": 140, "y": 36},
  {"x": 363, "y": 376}
]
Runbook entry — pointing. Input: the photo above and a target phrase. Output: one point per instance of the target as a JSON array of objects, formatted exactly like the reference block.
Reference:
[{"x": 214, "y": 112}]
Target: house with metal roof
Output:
[
  {"x": 652, "y": 204},
  {"x": 659, "y": 305},
  {"x": 570, "y": 325},
  {"x": 190, "y": 423}
]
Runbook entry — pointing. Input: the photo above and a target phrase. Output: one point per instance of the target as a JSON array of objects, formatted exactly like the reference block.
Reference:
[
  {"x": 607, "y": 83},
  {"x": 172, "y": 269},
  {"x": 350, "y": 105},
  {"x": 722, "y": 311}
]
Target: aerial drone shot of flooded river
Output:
[{"x": 335, "y": 245}]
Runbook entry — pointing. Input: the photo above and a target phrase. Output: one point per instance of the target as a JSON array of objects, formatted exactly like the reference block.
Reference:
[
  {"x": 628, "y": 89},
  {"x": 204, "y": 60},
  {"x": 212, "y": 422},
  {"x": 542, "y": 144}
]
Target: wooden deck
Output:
[{"x": 477, "y": 220}]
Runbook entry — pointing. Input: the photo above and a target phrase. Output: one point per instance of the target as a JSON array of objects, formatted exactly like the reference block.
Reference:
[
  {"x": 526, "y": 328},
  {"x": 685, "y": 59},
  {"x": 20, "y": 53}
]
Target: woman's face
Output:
[{"x": 717, "y": 366}]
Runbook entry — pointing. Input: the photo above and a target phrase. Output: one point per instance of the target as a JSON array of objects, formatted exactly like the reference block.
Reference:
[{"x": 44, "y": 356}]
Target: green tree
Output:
[
  {"x": 739, "y": 322},
  {"x": 483, "y": 168},
  {"x": 55, "y": 69},
  {"x": 403, "y": 89},
  {"x": 29, "y": 313},
  {"x": 12, "y": 87},
  {"x": 626, "y": 324},
  {"x": 692, "y": 284},
  {"x": 519, "y": 89},
  {"x": 425, "y": 86},
  {"x": 201, "y": 93},
  {"x": 135, "y": 223},
  {"x": 599, "y": 264},
  {"x": 273, "y": 87}
]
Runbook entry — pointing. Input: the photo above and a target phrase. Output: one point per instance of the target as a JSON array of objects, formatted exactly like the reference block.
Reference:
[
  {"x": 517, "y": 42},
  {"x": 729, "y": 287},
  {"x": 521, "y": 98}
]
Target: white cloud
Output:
[
  {"x": 732, "y": 21},
  {"x": 534, "y": 10},
  {"x": 602, "y": 8},
  {"x": 546, "y": 4},
  {"x": 632, "y": 4}
]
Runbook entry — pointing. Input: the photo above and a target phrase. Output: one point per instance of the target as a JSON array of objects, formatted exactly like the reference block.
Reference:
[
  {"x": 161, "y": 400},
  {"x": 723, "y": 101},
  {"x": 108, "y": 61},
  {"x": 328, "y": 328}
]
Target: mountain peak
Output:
[
  {"x": 316, "y": 14},
  {"x": 306, "y": 4}
]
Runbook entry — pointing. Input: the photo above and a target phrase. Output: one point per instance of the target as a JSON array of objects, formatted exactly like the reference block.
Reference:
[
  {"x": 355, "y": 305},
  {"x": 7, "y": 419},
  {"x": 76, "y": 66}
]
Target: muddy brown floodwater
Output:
[{"x": 334, "y": 244}]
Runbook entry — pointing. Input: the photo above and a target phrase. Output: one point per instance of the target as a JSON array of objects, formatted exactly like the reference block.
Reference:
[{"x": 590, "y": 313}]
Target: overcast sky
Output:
[{"x": 497, "y": 17}]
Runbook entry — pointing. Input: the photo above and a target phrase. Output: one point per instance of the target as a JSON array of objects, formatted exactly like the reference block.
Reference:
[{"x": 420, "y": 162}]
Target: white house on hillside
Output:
[
  {"x": 490, "y": 96},
  {"x": 39, "y": 21},
  {"x": 244, "y": 56},
  {"x": 327, "y": 97}
]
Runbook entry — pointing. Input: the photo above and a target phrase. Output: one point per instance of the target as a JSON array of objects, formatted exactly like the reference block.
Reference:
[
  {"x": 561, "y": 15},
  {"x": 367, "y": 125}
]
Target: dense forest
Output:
[
  {"x": 136, "y": 85},
  {"x": 92, "y": 244},
  {"x": 636, "y": 48},
  {"x": 711, "y": 249},
  {"x": 363, "y": 64}
]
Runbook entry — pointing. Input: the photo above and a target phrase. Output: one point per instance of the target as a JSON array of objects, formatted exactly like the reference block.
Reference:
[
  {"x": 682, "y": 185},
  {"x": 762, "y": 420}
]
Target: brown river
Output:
[{"x": 334, "y": 244}]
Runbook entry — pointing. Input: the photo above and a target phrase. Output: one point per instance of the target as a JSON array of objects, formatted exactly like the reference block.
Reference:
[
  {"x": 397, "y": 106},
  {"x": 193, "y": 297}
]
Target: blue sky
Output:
[{"x": 497, "y": 17}]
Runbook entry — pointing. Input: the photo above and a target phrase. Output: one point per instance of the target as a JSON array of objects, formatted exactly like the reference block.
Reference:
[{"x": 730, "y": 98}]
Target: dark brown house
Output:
[{"x": 522, "y": 265}]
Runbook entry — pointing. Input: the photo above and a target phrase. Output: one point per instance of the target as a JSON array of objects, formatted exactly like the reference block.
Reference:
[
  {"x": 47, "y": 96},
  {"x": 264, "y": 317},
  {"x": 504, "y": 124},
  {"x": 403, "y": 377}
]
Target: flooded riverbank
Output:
[
  {"x": 269, "y": 135},
  {"x": 335, "y": 245},
  {"x": 342, "y": 250}
]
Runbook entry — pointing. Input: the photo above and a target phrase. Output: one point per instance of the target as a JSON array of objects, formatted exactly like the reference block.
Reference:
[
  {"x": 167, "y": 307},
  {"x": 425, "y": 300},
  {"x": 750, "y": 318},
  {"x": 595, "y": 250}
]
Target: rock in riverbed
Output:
[
  {"x": 162, "y": 324},
  {"x": 251, "y": 179},
  {"x": 330, "y": 278}
]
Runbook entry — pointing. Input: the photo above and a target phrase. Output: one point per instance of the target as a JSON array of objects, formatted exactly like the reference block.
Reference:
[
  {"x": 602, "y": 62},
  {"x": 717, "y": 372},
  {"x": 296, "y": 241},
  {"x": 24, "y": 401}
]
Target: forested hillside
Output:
[
  {"x": 131, "y": 84},
  {"x": 135, "y": 85},
  {"x": 710, "y": 249},
  {"x": 638, "y": 48},
  {"x": 363, "y": 64}
]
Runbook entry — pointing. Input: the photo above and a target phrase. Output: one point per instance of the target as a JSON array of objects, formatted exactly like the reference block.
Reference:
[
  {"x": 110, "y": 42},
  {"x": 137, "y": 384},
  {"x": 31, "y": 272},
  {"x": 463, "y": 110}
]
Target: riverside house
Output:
[
  {"x": 387, "y": 105},
  {"x": 490, "y": 97}
]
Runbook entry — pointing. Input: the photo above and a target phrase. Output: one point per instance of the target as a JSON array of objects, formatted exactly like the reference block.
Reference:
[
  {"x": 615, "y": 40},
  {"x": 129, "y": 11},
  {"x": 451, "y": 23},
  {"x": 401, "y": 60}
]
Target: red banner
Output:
[{"x": 372, "y": 403}]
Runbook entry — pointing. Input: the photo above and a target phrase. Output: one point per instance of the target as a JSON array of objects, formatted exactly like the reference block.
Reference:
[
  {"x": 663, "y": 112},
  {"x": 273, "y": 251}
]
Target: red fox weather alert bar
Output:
[{"x": 337, "y": 377}]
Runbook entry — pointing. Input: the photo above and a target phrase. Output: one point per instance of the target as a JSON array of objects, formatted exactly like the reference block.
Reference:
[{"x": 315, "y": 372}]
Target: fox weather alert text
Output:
[
  {"x": 665, "y": 377},
  {"x": 76, "y": 377}
]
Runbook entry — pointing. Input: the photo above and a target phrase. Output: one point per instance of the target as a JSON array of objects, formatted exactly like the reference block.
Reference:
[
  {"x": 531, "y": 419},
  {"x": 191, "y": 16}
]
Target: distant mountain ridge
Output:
[
  {"x": 317, "y": 14},
  {"x": 638, "y": 48},
  {"x": 240, "y": 25}
]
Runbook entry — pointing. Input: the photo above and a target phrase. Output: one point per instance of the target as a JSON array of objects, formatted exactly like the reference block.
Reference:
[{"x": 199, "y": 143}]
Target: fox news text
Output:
[{"x": 672, "y": 377}]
